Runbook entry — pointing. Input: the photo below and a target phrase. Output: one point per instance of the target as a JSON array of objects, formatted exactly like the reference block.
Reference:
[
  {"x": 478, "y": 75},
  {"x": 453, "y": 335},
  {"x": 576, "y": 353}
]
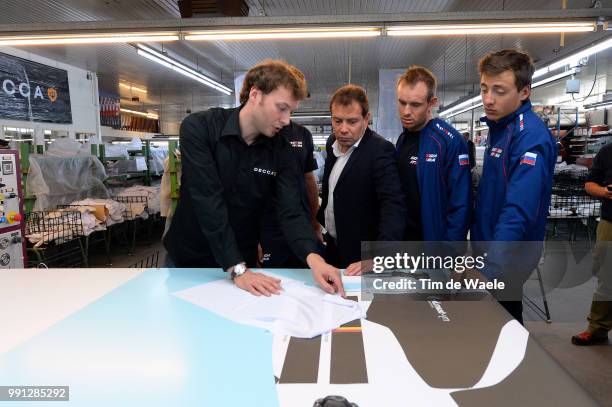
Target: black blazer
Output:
[{"x": 368, "y": 198}]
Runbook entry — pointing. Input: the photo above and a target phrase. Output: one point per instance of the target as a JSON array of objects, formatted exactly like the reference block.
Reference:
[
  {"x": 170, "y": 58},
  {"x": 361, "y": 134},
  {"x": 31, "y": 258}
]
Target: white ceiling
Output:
[{"x": 325, "y": 63}]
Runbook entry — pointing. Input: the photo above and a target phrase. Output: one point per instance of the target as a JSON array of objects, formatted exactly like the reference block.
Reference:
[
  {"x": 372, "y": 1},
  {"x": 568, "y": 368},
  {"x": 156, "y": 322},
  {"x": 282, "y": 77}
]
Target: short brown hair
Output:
[
  {"x": 520, "y": 63},
  {"x": 416, "y": 74},
  {"x": 269, "y": 75},
  {"x": 349, "y": 94}
]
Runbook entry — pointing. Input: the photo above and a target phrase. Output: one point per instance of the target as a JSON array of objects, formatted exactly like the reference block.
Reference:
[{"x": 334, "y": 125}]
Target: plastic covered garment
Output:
[
  {"x": 156, "y": 164},
  {"x": 299, "y": 310},
  {"x": 59, "y": 181},
  {"x": 116, "y": 150},
  {"x": 65, "y": 147}
]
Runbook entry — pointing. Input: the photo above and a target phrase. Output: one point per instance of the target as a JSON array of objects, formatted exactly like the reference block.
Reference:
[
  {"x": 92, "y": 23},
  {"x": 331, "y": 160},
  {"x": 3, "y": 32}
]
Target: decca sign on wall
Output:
[
  {"x": 30, "y": 91},
  {"x": 10, "y": 88}
]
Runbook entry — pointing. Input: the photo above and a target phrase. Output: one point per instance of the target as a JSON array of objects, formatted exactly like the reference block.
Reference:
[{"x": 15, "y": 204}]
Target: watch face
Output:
[{"x": 239, "y": 269}]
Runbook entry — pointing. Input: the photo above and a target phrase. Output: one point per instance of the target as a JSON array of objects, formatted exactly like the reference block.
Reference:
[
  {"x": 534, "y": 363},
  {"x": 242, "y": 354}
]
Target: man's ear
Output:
[
  {"x": 254, "y": 93},
  {"x": 433, "y": 102},
  {"x": 367, "y": 117},
  {"x": 525, "y": 93}
]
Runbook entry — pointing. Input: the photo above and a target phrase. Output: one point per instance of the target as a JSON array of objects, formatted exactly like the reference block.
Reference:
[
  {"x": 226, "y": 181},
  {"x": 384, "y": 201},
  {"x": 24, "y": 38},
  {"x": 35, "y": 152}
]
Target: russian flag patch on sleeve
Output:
[
  {"x": 529, "y": 158},
  {"x": 464, "y": 159}
]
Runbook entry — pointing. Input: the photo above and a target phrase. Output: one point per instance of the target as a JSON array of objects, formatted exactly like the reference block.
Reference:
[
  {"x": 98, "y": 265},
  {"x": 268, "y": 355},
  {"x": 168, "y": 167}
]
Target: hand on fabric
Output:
[
  {"x": 327, "y": 276},
  {"x": 359, "y": 267},
  {"x": 258, "y": 284}
]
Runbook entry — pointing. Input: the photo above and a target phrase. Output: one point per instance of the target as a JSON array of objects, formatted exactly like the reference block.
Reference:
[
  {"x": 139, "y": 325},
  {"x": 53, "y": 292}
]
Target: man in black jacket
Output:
[
  {"x": 232, "y": 164},
  {"x": 276, "y": 253},
  {"x": 362, "y": 196}
]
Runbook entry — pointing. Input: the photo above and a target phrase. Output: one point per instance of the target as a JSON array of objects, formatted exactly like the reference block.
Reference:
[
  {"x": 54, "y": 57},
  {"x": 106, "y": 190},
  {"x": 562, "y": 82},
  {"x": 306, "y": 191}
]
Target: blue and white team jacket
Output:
[
  {"x": 515, "y": 188},
  {"x": 445, "y": 182}
]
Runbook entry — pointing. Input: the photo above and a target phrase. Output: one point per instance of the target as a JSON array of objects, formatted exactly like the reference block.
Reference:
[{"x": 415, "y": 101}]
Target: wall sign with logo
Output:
[{"x": 33, "y": 91}]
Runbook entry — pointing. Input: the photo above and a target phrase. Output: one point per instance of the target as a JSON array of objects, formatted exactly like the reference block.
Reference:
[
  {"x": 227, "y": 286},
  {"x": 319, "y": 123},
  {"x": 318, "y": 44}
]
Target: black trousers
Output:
[{"x": 331, "y": 254}]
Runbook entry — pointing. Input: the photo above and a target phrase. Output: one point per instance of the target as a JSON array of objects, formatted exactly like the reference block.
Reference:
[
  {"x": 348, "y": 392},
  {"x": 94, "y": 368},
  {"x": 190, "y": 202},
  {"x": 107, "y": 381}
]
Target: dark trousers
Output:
[
  {"x": 278, "y": 254},
  {"x": 207, "y": 262},
  {"x": 600, "y": 316},
  {"x": 331, "y": 254}
]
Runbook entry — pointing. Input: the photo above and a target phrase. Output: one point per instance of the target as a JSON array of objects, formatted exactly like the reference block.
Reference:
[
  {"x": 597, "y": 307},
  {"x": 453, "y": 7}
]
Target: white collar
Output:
[{"x": 336, "y": 147}]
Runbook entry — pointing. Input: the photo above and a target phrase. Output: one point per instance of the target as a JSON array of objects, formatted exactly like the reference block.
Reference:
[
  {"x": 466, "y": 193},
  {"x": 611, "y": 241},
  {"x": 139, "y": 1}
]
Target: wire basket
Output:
[
  {"x": 136, "y": 206},
  {"x": 53, "y": 227},
  {"x": 569, "y": 198},
  {"x": 150, "y": 261}
]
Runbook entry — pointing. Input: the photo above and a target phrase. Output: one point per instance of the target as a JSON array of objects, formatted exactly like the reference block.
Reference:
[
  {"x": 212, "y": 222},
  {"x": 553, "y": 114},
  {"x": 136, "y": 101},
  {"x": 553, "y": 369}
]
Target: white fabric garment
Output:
[
  {"x": 88, "y": 219},
  {"x": 341, "y": 160},
  {"x": 300, "y": 310},
  {"x": 116, "y": 210},
  {"x": 152, "y": 205}
]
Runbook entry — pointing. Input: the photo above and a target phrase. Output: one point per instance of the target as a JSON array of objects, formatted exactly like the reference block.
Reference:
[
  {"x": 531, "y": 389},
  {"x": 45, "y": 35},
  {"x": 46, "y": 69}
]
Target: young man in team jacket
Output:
[
  {"x": 515, "y": 188},
  {"x": 433, "y": 162}
]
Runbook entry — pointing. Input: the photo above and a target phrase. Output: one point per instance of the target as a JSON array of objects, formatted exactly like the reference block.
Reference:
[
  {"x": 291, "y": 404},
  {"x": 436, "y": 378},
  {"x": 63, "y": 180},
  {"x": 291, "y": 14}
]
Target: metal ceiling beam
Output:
[{"x": 184, "y": 24}]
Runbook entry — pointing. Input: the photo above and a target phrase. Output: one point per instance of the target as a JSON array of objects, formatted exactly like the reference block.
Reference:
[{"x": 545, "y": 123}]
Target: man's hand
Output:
[
  {"x": 258, "y": 284},
  {"x": 359, "y": 267},
  {"x": 327, "y": 276},
  {"x": 608, "y": 192}
]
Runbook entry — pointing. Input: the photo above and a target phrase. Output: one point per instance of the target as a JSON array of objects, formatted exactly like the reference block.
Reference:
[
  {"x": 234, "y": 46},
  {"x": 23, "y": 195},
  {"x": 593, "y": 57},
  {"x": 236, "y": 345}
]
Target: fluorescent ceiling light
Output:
[
  {"x": 597, "y": 105},
  {"x": 553, "y": 78},
  {"x": 501, "y": 28},
  {"x": 147, "y": 115},
  {"x": 574, "y": 58},
  {"x": 177, "y": 66},
  {"x": 470, "y": 101},
  {"x": 467, "y": 109},
  {"x": 452, "y": 112},
  {"x": 130, "y": 87},
  {"x": 76, "y": 39},
  {"x": 284, "y": 33}
]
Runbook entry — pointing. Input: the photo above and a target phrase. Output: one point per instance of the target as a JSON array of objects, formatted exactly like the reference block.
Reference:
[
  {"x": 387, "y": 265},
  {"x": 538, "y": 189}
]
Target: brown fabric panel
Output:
[
  {"x": 302, "y": 361},
  {"x": 446, "y": 354},
  {"x": 538, "y": 381},
  {"x": 348, "y": 357}
]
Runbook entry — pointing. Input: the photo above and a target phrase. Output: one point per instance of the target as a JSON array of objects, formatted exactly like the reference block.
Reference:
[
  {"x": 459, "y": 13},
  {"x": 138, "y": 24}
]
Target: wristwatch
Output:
[{"x": 237, "y": 270}]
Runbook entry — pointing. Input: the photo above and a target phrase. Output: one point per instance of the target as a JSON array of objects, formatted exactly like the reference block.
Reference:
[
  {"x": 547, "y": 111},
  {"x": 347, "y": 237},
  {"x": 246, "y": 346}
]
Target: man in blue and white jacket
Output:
[
  {"x": 433, "y": 164},
  {"x": 515, "y": 188}
]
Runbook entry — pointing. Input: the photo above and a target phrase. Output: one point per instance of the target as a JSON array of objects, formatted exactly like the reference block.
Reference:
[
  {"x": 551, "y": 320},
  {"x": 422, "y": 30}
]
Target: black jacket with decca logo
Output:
[{"x": 225, "y": 185}]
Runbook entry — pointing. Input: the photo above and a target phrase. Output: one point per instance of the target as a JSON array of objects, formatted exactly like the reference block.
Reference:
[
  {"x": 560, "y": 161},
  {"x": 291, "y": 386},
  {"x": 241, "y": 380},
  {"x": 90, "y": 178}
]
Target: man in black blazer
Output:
[{"x": 362, "y": 195}]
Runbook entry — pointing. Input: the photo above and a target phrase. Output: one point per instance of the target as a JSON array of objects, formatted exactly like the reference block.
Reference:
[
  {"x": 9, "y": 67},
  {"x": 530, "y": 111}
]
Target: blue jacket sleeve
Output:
[
  {"x": 459, "y": 190},
  {"x": 527, "y": 179}
]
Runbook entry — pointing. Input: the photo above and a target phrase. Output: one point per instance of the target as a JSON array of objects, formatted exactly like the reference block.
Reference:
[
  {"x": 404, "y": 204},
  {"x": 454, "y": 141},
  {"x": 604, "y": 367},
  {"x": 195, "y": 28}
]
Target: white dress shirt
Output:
[{"x": 334, "y": 175}]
